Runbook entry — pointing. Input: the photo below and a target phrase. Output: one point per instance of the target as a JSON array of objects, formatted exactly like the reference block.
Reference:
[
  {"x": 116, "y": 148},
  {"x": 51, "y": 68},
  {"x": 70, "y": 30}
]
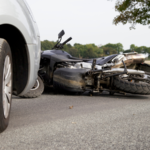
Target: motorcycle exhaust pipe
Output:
[{"x": 121, "y": 70}]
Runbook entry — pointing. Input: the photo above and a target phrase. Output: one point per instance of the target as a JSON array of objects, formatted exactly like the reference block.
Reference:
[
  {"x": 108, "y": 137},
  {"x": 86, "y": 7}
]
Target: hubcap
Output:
[{"x": 7, "y": 85}]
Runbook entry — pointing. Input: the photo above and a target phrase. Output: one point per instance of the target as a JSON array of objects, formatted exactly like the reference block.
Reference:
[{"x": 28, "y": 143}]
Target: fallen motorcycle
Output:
[{"x": 117, "y": 73}]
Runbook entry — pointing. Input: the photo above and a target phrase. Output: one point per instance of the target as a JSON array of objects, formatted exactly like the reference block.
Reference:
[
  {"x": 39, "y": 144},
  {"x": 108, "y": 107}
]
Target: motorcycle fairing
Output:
[
  {"x": 62, "y": 56},
  {"x": 57, "y": 56},
  {"x": 71, "y": 79}
]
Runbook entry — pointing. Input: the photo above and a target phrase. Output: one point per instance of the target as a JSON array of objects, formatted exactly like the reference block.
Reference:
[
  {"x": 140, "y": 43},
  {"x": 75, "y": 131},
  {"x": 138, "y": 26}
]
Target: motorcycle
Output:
[{"x": 117, "y": 73}]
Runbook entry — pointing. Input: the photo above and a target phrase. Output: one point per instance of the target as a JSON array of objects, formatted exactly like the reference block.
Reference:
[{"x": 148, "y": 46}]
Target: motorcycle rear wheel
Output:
[{"x": 131, "y": 87}]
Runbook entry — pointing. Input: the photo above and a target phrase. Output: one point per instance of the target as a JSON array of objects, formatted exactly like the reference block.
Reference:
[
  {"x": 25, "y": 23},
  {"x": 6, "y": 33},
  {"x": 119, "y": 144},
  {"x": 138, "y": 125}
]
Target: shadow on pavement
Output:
[{"x": 51, "y": 91}]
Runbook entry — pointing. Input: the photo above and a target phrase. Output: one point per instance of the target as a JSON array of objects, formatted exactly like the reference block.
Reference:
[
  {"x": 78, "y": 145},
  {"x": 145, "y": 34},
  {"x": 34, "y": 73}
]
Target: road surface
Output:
[{"x": 78, "y": 122}]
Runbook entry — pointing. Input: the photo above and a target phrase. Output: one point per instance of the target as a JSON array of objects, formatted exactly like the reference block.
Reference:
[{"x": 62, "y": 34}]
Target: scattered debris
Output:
[{"x": 70, "y": 107}]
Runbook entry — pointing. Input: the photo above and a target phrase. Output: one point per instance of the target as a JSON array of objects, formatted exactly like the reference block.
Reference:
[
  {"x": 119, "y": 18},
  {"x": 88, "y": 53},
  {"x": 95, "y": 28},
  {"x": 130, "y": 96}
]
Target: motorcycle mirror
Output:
[{"x": 61, "y": 34}]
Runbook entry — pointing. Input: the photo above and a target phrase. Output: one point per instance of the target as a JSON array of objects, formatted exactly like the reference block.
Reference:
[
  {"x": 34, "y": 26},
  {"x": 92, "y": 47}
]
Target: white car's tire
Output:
[{"x": 6, "y": 80}]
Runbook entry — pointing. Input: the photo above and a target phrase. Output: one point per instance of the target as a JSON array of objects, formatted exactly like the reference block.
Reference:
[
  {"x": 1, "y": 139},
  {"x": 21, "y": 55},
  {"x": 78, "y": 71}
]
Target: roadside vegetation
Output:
[
  {"x": 93, "y": 51},
  {"x": 133, "y": 12}
]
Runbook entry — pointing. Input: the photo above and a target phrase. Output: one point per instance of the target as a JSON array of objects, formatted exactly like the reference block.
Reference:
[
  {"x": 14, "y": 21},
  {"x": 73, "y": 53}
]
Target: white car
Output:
[{"x": 19, "y": 53}]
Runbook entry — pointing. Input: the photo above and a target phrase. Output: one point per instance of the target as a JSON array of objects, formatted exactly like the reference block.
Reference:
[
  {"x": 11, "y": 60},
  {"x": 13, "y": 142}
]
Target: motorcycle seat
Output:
[{"x": 103, "y": 60}]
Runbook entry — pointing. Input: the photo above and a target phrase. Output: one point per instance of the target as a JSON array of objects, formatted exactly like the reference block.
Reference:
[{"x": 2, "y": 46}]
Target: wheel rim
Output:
[
  {"x": 7, "y": 86},
  {"x": 36, "y": 86}
]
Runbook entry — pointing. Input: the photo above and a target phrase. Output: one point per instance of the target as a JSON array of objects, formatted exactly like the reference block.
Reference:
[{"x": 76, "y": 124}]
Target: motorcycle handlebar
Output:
[{"x": 66, "y": 41}]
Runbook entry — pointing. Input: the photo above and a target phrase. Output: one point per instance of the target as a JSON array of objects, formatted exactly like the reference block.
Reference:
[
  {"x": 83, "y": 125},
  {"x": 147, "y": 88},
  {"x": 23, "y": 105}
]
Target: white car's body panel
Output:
[{"x": 17, "y": 13}]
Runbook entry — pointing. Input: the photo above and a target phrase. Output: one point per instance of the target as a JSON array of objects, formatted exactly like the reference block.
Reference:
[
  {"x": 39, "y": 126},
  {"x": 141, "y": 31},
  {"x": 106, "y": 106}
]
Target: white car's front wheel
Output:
[{"x": 6, "y": 72}]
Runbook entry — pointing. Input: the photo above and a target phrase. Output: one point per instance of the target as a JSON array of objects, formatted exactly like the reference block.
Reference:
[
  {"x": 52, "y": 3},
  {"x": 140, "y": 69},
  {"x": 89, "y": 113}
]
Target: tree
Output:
[
  {"x": 141, "y": 49},
  {"x": 112, "y": 48},
  {"x": 132, "y": 47},
  {"x": 109, "y": 51},
  {"x": 87, "y": 50},
  {"x": 91, "y": 51},
  {"x": 81, "y": 50},
  {"x": 133, "y": 11},
  {"x": 72, "y": 51},
  {"x": 47, "y": 45}
]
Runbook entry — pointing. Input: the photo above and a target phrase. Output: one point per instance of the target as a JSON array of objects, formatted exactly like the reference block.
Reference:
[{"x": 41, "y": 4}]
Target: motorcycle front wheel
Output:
[{"x": 36, "y": 90}]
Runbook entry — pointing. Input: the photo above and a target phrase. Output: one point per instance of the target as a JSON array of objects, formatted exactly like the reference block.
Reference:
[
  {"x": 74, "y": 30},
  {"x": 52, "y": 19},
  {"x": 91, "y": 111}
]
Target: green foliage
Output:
[
  {"x": 45, "y": 45},
  {"x": 133, "y": 11},
  {"x": 86, "y": 51},
  {"x": 133, "y": 47},
  {"x": 112, "y": 48},
  {"x": 141, "y": 49},
  {"x": 93, "y": 51}
]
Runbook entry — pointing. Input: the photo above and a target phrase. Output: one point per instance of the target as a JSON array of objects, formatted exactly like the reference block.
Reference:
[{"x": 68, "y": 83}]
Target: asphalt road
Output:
[{"x": 99, "y": 122}]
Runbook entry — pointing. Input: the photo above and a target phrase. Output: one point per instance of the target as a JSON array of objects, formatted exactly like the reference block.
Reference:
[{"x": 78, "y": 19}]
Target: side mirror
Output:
[{"x": 61, "y": 34}]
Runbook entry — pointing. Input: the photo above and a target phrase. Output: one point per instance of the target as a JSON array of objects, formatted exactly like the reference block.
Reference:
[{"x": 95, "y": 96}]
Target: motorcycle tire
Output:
[
  {"x": 36, "y": 91},
  {"x": 6, "y": 80},
  {"x": 130, "y": 87}
]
